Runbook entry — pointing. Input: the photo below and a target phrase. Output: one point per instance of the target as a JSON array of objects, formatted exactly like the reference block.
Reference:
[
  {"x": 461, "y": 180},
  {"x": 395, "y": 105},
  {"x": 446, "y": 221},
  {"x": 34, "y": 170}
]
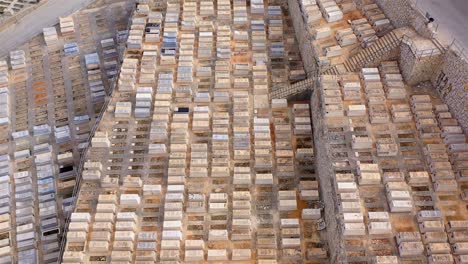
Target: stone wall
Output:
[
  {"x": 451, "y": 82},
  {"x": 401, "y": 13},
  {"x": 304, "y": 38},
  {"x": 327, "y": 184},
  {"x": 417, "y": 69},
  {"x": 406, "y": 61},
  {"x": 447, "y": 73}
]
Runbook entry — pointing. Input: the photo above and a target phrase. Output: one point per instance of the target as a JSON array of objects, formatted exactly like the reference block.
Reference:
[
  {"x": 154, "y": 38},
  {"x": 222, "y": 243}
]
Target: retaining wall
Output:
[
  {"x": 451, "y": 82},
  {"x": 401, "y": 13},
  {"x": 304, "y": 38},
  {"x": 450, "y": 66},
  {"x": 414, "y": 69},
  {"x": 327, "y": 183}
]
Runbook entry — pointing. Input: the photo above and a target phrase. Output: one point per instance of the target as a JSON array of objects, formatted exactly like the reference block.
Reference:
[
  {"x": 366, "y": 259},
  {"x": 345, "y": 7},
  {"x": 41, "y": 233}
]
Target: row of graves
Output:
[
  {"x": 338, "y": 28},
  {"x": 191, "y": 162},
  {"x": 285, "y": 61},
  {"x": 47, "y": 114},
  {"x": 398, "y": 161}
]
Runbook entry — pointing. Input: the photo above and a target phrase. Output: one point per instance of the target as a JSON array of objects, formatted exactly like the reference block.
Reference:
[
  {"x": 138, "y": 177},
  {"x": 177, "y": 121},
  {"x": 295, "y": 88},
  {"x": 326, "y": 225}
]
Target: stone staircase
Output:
[
  {"x": 376, "y": 51},
  {"x": 363, "y": 58},
  {"x": 332, "y": 71},
  {"x": 288, "y": 90}
]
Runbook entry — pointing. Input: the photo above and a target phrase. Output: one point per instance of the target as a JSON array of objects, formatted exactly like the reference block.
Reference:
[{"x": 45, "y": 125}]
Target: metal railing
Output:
[
  {"x": 391, "y": 43},
  {"x": 420, "y": 53},
  {"x": 458, "y": 48},
  {"x": 382, "y": 32},
  {"x": 423, "y": 13},
  {"x": 354, "y": 51},
  {"x": 385, "y": 47},
  {"x": 79, "y": 172},
  {"x": 455, "y": 45},
  {"x": 358, "y": 47}
]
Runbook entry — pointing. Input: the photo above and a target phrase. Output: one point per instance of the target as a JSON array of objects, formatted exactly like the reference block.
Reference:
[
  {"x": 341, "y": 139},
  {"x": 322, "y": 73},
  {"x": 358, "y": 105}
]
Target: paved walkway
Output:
[
  {"x": 451, "y": 17},
  {"x": 32, "y": 24}
]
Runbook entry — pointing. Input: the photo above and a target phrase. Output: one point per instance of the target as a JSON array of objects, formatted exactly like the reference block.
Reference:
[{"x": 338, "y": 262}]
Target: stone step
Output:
[
  {"x": 382, "y": 46},
  {"x": 348, "y": 67},
  {"x": 294, "y": 89},
  {"x": 374, "y": 48}
]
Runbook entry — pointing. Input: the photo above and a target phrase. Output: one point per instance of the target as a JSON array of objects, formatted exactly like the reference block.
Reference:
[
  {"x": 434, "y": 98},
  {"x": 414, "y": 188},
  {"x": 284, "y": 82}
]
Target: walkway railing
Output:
[
  {"x": 419, "y": 53},
  {"x": 458, "y": 48},
  {"x": 455, "y": 45}
]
